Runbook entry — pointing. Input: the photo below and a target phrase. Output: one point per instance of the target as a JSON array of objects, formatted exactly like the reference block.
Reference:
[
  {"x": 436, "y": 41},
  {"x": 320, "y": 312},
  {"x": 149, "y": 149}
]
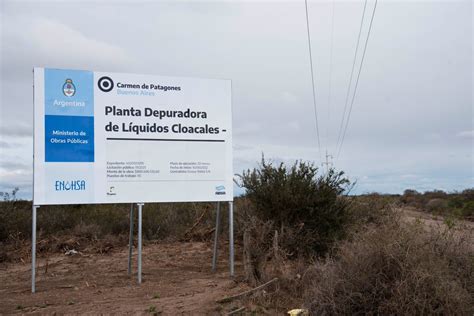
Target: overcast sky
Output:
[{"x": 412, "y": 121}]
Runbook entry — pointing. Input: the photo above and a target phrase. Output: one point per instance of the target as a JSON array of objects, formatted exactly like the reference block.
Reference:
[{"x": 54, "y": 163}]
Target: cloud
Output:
[
  {"x": 6, "y": 145},
  {"x": 18, "y": 130},
  {"x": 412, "y": 112},
  {"x": 290, "y": 97},
  {"x": 65, "y": 43},
  {"x": 13, "y": 166},
  {"x": 466, "y": 134},
  {"x": 31, "y": 41}
]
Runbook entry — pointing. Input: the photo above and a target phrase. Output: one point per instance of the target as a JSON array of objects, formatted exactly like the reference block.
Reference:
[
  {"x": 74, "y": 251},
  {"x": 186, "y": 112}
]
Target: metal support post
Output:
[
  {"x": 130, "y": 242},
  {"x": 33, "y": 249},
  {"x": 216, "y": 237},
  {"x": 231, "y": 237},
  {"x": 140, "y": 205}
]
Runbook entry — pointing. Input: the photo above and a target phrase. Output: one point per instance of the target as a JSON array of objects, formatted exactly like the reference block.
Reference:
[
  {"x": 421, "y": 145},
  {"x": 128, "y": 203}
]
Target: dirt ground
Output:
[
  {"x": 177, "y": 279},
  {"x": 432, "y": 221}
]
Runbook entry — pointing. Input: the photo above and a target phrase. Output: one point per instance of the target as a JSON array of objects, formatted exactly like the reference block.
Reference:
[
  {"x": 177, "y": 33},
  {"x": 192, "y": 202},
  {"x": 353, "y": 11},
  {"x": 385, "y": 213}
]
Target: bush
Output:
[
  {"x": 98, "y": 224},
  {"x": 299, "y": 200},
  {"x": 396, "y": 269},
  {"x": 436, "y": 205},
  {"x": 411, "y": 198},
  {"x": 369, "y": 209},
  {"x": 435, "y": 194},
  {"x": 468, "y": 194},
  {"x": 454, "y": 204},
  {"x": 468, "y": 210}
]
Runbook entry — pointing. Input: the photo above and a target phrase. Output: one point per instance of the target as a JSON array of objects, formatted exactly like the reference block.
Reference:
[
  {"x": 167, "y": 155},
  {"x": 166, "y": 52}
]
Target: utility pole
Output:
[{"x": 328, "y": 163}]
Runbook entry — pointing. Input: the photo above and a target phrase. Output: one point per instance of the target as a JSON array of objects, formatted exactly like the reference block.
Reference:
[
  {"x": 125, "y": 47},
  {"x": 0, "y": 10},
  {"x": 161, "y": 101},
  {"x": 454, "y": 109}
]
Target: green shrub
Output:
[
  {"x": 468, "y": 209},
  {"x": 15, "y": 218},
  {"x": 297, "y": 199},
  {"x": 456, "y": 201}
]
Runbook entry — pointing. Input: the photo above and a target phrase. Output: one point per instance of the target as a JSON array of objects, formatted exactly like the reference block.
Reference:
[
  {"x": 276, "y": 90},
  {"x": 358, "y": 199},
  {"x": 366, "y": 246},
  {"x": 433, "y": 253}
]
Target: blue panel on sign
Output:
[
  {"x": 69, "y": 92},
  {"x": 69, "y": 138}
]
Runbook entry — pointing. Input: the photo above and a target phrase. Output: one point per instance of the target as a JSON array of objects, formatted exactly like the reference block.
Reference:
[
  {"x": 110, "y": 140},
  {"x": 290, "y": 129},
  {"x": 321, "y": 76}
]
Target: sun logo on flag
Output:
[{"x": 68, "y": 88}]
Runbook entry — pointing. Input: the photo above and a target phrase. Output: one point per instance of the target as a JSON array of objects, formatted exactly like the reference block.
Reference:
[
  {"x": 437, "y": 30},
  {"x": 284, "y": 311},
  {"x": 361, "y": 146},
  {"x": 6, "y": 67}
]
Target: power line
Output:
[
  {"x": 357, "y": 80},
  {"x": 312, "y": 79},
  {"x": 350, "y": 79},
  {"x": 330, "y": 76}
]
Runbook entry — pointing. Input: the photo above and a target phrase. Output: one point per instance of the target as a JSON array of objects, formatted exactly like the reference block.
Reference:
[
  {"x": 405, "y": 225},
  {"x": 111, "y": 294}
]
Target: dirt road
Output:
[
  {"x": 176, "y": 280},
  {"x": 432, "y": 221}
]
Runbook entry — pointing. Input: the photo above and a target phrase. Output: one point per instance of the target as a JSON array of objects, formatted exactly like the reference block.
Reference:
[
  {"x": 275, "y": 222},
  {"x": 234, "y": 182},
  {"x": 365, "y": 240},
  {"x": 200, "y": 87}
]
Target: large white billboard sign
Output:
[{"x": 122, "y": 138}]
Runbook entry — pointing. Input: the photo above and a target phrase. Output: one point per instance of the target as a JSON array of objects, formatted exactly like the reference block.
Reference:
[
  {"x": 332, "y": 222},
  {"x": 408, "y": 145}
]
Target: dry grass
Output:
[
  {"x": 98, "y": 228},
  {"x": 396, "y": 268},
  {"x": 388, "y": 265}
]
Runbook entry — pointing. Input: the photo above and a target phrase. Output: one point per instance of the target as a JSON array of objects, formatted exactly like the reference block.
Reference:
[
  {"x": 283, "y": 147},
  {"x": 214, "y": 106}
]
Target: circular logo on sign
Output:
[
  {"x": 68, "y": 88},
  {"x": 105, "y": 84}
]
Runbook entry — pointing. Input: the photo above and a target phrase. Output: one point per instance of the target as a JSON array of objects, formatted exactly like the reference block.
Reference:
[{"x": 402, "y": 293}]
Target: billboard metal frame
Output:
[{"x": 139, "y": 244}]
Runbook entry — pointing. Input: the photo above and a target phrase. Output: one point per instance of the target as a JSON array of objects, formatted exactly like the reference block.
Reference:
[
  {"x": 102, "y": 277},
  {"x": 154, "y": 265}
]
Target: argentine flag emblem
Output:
[{"x": 68, "y": 88}]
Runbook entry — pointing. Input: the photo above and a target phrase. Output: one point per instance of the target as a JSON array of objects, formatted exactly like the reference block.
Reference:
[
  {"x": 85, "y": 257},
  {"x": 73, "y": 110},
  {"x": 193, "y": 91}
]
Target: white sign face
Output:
[{"x": 123, "y": 138}]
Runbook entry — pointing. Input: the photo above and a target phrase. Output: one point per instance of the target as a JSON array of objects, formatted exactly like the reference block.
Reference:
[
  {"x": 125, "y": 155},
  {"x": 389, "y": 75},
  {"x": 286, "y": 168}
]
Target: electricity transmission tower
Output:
[{"x": 328, "y": 162}]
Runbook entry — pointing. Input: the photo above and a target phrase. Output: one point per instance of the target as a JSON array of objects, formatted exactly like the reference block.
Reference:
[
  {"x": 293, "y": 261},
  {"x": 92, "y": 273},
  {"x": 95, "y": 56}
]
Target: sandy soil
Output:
[
  {"x": 177, "y": 279},
  {"x": 432, "y": 221}
]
